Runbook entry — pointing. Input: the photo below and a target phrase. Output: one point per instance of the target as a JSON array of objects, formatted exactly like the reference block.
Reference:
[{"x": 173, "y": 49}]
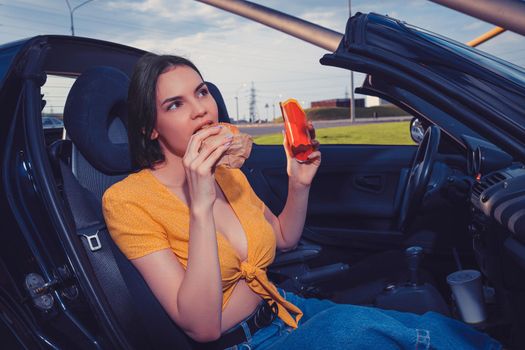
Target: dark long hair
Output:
[{"x": 142, "y": 107}]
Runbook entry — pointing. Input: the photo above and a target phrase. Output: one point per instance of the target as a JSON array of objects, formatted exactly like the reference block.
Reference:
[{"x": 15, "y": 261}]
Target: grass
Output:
[
  {"x": 393, "y": 133},
  {"x": 332, "y": 113}
]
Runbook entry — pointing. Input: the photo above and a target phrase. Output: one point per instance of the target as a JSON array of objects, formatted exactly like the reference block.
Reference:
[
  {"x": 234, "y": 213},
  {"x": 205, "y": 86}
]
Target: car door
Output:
[{"x": 355, "y": 195}]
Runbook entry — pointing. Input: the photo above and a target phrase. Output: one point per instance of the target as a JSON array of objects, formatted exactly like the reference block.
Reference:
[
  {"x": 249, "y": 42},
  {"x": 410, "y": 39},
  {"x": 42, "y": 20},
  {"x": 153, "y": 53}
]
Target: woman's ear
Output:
[{"x": 154, "y": 134}]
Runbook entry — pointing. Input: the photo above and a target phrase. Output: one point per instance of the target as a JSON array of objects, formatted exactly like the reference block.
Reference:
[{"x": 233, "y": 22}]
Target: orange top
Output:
[{"x": 144, "y": 216}]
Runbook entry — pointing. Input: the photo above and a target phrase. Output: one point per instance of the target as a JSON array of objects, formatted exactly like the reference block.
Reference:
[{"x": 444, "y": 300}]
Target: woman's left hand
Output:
[{"x": 302, "y": 173}]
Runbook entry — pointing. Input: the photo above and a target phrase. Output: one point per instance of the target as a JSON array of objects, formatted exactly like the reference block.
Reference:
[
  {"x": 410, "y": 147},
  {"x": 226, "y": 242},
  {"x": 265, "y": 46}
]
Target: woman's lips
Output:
[{"x": 203, "y": 126}]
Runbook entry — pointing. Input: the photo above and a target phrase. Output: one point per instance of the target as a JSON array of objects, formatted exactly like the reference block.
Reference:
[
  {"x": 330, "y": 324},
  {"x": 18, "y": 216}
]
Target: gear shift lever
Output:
[
  {"x": 414, "y": 296},
  {"x": 413, "y": 256}
]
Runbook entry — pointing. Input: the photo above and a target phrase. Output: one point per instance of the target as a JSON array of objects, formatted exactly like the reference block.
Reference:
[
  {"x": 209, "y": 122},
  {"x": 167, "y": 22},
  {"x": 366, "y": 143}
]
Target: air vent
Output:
[
  {"x": 494, "y": 178},
  {"x": 478, "y": 188},
  {"x": 486, "y": 182}
]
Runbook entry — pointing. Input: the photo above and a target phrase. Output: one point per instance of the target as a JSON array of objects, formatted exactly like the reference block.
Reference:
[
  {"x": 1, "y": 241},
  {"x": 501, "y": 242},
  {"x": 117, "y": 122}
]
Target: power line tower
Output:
[{"x": 253, "y": 110}]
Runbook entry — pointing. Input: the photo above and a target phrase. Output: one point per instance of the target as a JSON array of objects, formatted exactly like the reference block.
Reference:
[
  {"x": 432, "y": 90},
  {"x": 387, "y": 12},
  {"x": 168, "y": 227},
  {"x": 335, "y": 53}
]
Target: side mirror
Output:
[{"x": 417, "y": 131}]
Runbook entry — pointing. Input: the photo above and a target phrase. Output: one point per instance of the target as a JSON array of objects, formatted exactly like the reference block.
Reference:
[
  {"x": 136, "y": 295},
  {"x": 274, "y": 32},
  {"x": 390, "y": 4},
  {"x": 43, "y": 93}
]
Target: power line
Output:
[
  {"x": 253, "y": 102},
  {"x": 85, "y": 17},
  {"x": 143, "y": 28},
  {"x": 54, "y": 24},
  {"x": 72, "y": 11},
  {"x": 196, "y": 52},
  {"x": 257, "y": 67}
]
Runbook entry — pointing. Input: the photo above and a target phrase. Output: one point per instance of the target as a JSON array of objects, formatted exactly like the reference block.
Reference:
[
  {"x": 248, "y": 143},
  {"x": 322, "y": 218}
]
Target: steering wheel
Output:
[{"x": 419, "y": 176}]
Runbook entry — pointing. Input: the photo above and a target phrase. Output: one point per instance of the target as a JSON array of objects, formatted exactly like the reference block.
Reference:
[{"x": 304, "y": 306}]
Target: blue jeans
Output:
[{"x": 326, "y": 325}]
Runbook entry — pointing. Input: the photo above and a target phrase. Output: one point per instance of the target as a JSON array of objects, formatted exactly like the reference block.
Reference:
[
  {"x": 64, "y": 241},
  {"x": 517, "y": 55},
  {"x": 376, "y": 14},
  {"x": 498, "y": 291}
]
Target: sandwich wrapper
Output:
[{"x": 239, "y": 149}]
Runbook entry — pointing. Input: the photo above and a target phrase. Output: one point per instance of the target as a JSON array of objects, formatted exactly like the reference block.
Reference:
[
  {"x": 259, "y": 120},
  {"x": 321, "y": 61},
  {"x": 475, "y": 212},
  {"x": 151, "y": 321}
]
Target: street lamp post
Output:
[
  {"x": 352, "y": 101},
  {"x": 279, "y": 98},
  {"x": 243, "y": 85},
  {"x": 71, "y": 11},
  {"x": 237, "y": 107}
]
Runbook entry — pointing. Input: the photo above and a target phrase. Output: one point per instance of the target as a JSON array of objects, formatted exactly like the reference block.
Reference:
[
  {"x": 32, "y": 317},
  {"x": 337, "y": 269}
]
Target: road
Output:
[{"x": 264, "y": 129}]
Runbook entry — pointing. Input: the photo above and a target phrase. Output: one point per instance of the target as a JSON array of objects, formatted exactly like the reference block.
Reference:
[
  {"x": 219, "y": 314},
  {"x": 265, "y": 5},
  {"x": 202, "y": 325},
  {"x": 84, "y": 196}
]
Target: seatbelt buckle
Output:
[{"x": 93, "y": 241}]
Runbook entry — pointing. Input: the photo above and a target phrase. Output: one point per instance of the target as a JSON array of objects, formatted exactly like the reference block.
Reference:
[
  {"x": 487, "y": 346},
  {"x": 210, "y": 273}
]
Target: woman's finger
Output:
[
  {"x": 311, "y": 130},
  {"x": 215, "y": 155},
  {"x": 207, "y": 150},
  {"x": 315, "y": 144},
  {"x": 286, "y": 145},
  {"x": 314, "y": 156},
  {"x": 196, "y": 139}
]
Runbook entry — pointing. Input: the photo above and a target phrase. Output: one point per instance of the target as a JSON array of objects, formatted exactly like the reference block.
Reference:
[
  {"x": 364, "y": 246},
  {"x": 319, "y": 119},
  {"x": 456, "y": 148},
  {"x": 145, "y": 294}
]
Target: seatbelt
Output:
[
  {"x": 104, "y": 257},
  {"x": 100, "y": 249}
]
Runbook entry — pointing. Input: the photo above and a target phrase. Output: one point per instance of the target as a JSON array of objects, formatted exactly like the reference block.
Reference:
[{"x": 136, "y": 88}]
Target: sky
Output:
[{"x": 234, "y": 52}]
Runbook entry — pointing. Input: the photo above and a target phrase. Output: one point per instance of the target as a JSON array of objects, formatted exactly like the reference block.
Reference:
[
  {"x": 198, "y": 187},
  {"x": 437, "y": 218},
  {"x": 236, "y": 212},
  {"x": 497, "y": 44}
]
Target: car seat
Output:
[{"x": 95, "y": 157}]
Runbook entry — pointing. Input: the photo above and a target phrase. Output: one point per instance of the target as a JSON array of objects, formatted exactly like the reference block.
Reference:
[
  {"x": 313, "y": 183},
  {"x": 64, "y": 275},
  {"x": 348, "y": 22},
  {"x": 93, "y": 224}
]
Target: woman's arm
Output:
[
  {"x": 193, "y": 297},
  {"x": 289, "y": 225}
]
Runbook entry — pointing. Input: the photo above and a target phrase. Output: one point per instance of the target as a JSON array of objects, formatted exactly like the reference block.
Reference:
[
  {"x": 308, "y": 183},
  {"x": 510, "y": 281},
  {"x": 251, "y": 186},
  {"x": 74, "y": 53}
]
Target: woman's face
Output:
[{"x": 184, "y": 105}]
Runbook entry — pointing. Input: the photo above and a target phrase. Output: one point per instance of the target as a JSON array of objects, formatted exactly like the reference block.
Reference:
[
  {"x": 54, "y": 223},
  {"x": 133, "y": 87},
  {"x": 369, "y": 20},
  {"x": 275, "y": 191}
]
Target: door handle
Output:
[{"x": 373, "y": 183}]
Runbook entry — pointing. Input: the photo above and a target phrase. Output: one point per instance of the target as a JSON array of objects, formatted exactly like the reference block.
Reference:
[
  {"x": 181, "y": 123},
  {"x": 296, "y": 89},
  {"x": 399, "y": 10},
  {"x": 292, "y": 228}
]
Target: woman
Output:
[{"x": 202, "y": 239}]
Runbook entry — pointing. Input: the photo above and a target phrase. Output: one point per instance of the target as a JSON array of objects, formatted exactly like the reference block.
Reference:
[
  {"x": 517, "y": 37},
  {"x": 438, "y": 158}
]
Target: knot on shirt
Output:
[{"x": 248, "y": 271}]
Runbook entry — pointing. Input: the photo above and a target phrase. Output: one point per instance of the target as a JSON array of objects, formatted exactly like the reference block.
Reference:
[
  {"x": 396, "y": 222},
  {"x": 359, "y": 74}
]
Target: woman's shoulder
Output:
[{"x": 131, "y": 187}]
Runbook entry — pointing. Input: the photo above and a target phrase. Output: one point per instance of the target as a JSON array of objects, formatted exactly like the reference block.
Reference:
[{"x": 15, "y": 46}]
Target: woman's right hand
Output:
[{"x": 199, "y": 164}]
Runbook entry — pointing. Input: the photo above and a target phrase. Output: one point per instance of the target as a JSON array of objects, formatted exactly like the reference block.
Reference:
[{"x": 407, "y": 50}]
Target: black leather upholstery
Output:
[{"x": 96, "y": 99}]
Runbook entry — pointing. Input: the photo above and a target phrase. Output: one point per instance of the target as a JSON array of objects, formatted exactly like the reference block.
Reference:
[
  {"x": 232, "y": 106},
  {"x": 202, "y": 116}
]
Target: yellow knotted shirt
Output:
[{"x": 144, "y": 216}]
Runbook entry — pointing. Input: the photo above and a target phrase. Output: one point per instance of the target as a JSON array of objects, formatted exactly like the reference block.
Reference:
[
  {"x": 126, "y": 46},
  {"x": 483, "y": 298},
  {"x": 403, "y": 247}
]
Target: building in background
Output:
[
  {"x": 337, "y": 102},
  {"x": 371, "y": 101}
]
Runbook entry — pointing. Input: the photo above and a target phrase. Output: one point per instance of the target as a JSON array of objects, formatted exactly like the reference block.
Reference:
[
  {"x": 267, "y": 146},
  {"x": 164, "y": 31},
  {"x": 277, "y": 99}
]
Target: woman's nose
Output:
[{"x": 198, "y": 109}]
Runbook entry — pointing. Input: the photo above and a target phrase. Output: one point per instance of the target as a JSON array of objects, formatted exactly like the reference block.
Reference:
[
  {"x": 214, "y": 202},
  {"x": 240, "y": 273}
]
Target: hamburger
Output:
[{"x": 239, "y": 149}]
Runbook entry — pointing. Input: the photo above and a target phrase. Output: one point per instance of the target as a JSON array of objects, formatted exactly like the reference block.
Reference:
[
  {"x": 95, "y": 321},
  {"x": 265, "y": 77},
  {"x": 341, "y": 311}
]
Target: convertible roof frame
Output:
[{"x": 508, "y": 14}]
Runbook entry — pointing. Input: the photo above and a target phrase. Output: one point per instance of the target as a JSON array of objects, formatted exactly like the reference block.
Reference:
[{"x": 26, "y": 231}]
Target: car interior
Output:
[
  {"x": 383, "y": 233},
  {"x": 88, "y": 168}
]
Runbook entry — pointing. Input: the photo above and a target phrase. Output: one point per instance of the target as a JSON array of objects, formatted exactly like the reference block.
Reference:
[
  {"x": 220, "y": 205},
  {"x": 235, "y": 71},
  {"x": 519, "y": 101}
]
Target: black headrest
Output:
[
  {"x": 95, "y": 117},
  {"x": 223, "y": 112}
]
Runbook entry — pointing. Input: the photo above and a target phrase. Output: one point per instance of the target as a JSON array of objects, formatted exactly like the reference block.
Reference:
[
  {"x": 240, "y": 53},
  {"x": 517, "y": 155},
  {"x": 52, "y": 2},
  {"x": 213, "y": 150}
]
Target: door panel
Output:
[{"x": 355, "y": 194}]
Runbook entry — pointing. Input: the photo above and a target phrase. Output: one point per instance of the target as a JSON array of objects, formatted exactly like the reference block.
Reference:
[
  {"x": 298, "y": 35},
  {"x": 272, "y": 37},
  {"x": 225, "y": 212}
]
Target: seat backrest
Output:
[{"x": 95, "y": 119}]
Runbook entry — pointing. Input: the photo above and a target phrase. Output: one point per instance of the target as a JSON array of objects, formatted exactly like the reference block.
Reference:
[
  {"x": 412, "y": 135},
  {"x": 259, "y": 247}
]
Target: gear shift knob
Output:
[{"x": 413, "y": 256}]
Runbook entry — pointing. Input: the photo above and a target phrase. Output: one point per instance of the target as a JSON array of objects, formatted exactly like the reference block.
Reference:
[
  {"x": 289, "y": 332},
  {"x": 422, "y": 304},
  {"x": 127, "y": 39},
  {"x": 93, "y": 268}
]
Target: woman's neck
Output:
[{"x": 171, "y": 172}]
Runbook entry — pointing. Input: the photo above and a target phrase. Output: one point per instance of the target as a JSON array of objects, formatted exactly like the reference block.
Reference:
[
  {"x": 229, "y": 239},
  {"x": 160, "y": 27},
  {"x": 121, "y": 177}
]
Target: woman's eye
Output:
[
  {"x": 173, "y": 105},
  {"x": 203, "y": 92}
]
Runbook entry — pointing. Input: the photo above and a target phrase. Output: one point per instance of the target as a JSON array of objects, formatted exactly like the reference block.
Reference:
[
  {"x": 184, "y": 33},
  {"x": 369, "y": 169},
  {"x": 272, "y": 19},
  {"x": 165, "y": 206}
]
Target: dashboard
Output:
[
  {"x": 497, "y": 199},
  {"x": 498, "y": 192},
  {"x": 500, "y": 195},
  {"x": 497, "y": 203}
]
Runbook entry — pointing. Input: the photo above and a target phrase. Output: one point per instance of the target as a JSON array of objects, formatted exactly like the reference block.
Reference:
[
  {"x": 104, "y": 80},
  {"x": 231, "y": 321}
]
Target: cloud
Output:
[
  {"x": 394, "y": 14},
  {"x": 504, "y": 44},
  {"x": 416, "y": 3},
  {"x": 277, "y": 63},
  {"x": 334, "y": 20},
  {"x": 176, "y": 12},
  {"x": 474, "y": 25},
  {"x": 231, "y": 50}
]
